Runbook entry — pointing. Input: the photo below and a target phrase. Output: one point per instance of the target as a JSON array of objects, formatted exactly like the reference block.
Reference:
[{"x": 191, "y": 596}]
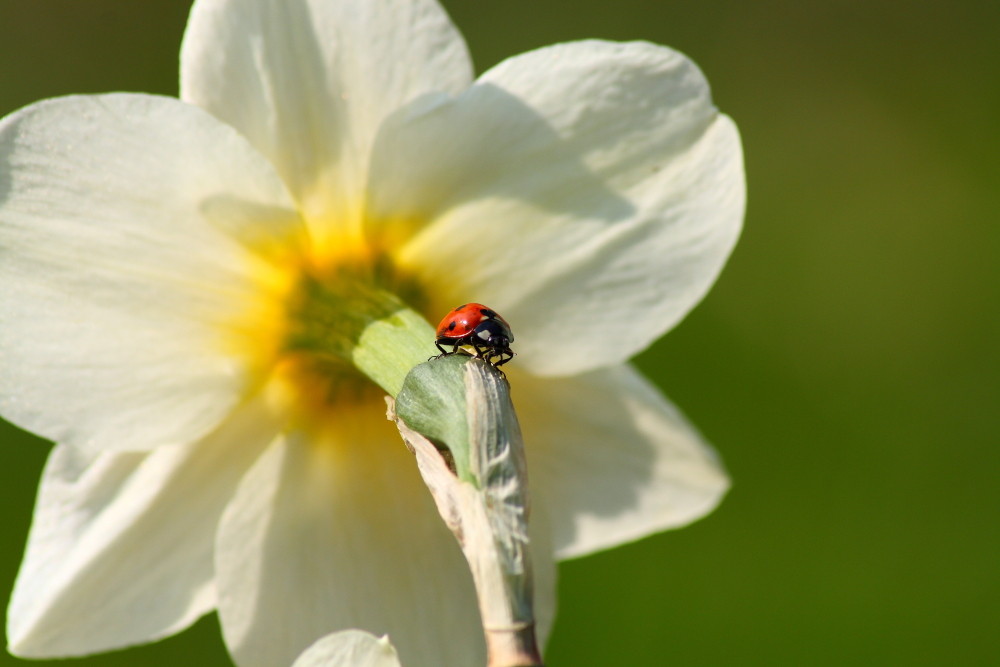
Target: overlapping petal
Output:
[
  {"x": 544, "y": 571},
  {"x": 589, "y": 191},
  {"x": 120, "y": 550},
  {"x": 340, "y": 533},
  {"x": 309, "y": 82},
  {"x": 133, "y": 231},
  {"x": 349, "y": 648},
  {"x": 611, "y": 460}
]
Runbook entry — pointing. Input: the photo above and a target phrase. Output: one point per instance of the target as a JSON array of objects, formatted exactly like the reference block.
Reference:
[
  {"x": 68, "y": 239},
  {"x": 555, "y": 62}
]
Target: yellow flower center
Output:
[{"x": 332, "y": 330}]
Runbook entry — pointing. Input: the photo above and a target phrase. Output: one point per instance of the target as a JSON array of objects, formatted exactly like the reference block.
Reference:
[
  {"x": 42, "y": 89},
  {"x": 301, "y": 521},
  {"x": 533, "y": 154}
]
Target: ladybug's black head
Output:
[{"x": 493, "y": 333}]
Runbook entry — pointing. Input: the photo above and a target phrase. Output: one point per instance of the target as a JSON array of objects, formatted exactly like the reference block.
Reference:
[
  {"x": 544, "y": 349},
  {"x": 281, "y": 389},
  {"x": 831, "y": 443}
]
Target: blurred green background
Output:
[{"x": 846, "y": 364}]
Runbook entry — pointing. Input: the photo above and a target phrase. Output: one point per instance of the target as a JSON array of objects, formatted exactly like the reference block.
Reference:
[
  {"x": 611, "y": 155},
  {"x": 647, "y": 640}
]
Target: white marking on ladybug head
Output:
[{"x": 484, "y": 334}]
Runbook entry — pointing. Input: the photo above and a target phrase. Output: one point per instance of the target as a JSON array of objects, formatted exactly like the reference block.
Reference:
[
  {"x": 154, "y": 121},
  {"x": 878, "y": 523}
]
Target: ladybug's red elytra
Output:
[{"x": 481, "y": 328}]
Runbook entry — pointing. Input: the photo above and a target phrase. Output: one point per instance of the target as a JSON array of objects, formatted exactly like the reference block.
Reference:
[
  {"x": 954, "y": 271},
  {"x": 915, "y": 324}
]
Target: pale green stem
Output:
[{"x": 463, "y": 406}]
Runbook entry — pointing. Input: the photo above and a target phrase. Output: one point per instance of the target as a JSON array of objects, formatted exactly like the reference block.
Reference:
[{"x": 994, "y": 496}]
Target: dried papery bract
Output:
[{"x": 456, "y": 416}]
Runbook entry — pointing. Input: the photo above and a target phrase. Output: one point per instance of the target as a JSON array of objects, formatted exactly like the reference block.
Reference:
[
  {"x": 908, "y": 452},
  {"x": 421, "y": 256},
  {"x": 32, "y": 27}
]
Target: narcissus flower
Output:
[{"x": 204, "y": 301}]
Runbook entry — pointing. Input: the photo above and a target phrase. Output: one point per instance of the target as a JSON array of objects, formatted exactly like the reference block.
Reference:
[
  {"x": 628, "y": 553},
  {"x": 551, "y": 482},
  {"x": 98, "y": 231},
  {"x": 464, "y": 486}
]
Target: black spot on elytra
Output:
[
  {"x": 451, "y": 326},
  {"x": 462, "y": 307},
  {"x": 487, "y": 312}
]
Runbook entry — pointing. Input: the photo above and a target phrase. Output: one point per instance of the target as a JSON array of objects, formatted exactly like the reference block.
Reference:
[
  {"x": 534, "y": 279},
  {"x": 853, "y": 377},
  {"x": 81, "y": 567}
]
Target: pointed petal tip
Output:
[
  {"x": 613, "y": 460},
  {"x": 349, "y": 648}
]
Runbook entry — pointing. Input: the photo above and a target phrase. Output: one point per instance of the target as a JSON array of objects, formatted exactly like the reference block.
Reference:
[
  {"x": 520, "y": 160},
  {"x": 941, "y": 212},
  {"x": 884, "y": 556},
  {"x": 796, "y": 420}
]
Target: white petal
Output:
[
  {"x": 590, "y": 192},
  {"x": 309, "y": 82},
  {"x": 611, "y": 460},
  {"x": 328, "y": 535},
  {"x": 349, "y": 648},
  {"x": 120, "y": 551},
  {"x": 135, "y": 232}
]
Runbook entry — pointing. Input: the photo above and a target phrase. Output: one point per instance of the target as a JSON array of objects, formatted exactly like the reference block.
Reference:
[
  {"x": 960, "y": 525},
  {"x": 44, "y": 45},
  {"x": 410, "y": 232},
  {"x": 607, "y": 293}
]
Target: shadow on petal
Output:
[{"x": 438, "y": 152}]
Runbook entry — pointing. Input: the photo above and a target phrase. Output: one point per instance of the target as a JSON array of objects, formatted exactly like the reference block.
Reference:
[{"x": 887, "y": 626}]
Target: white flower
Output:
[{"x": 153, "y": 254}]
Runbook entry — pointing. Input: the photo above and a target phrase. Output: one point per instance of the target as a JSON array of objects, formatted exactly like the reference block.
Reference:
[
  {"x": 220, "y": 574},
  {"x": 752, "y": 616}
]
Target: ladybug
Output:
[{"x": 481, "y": 328}]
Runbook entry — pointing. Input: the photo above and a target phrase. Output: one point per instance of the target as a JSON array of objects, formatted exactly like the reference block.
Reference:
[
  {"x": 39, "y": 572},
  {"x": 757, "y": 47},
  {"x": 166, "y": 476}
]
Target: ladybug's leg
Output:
[
  {"x": 457, "y": 346},
  {"x": 502, "y": 354},
  {"x": 444, "y": 352}
]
